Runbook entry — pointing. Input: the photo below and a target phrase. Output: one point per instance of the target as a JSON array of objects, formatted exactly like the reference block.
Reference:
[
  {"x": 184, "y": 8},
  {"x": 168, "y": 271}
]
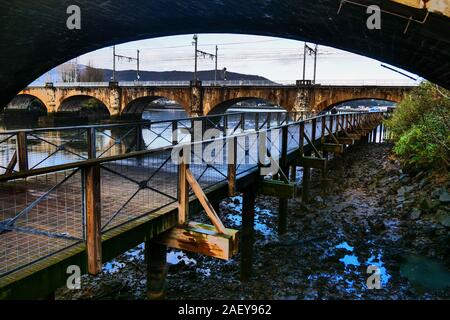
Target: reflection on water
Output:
[
  {"x": 234, "y": 210},
  {"x": 425, "y": 273}
]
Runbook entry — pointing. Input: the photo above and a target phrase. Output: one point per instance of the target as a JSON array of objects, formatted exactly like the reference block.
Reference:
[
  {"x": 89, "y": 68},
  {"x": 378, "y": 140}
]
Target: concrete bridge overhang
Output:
[{"x": 35, "y": 38}]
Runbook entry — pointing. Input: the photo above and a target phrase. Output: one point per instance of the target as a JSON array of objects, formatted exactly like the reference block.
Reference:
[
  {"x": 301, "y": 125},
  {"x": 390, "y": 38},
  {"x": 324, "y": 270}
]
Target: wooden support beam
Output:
[
  {"x": 93, "y": 207},
  {"x": 203, "y": 239},
  {"x": 12, "y": 164},
  {"x": 247, "y": 233},
  {"x": 22, "y": 151},
  {"x": 156, "y": 260},
  {"x": 183, "y": 194},
  {"x": 310, "y": 162},
  {"x": 293, "y": 173},
  {"x": 346, "y": 141},
  {"x": 333, "y": 148},
  {"x": 277, "y": 188},
  {"x": 205, "y": 202},
  {"x": 232, "y": 165}
]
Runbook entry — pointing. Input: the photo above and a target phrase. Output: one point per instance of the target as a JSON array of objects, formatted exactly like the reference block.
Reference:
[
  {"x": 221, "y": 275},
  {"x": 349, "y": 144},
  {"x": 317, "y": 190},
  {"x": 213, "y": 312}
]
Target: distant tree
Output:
[
  {"x": 91, "y": 74},
  {"x": 69, "y": 72}
]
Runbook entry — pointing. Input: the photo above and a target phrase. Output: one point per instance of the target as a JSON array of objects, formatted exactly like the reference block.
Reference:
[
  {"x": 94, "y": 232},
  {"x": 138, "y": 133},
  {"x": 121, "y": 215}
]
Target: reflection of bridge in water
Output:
[{"x": 97, "y": 206}]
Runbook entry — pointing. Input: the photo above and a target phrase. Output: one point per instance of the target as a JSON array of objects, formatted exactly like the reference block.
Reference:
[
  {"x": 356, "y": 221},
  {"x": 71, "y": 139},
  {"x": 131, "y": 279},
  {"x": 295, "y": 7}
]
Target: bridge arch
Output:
[
  {"x": 137, "y": 106},
  {"x": 341, "y": 96},
  {"x": 27, "y": 102},
  {"x": 314, "y": 21},
  {"x": 84, "y": 105},
  {"x": 331, "y": 106},
  {"x": 222, "y": 107}
]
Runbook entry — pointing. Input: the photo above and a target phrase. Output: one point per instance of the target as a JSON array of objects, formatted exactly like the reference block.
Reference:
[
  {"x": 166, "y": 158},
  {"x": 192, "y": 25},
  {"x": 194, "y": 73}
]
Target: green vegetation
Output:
[{"x": 420, "y": 127}]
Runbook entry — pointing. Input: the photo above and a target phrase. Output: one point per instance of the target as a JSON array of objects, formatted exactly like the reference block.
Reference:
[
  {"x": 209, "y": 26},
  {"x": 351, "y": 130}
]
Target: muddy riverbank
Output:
[{"x": 372, "y": 215}]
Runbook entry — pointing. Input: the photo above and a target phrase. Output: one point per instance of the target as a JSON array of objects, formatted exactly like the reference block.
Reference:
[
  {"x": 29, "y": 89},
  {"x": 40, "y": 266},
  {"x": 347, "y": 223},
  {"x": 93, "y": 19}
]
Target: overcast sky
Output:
[{"x": 273, "y": 58}]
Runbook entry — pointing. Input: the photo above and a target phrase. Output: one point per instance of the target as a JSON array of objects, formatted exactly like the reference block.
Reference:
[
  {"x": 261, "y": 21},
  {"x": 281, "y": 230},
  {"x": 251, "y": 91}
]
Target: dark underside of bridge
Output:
[{"x": 34, "y": 37}]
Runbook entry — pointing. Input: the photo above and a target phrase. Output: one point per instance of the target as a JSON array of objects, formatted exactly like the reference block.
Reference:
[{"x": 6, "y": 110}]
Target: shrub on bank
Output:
[{"x": 420, "y": 127}]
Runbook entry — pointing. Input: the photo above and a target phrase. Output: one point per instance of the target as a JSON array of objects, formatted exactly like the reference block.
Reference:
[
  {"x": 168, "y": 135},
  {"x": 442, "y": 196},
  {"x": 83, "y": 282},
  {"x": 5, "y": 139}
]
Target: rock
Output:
[
  {"x": 415, "y": 214},
  {"x": 445, "y": 197},
  {"x": 318, "y": 199},
  {"x": 436, "y": 193},
  {"x": 443, "y": 217}
]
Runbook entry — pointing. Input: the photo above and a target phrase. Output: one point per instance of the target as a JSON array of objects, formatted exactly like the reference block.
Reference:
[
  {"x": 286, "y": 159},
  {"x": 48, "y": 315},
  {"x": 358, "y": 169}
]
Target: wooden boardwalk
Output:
[{"x": 139, "y": 200}]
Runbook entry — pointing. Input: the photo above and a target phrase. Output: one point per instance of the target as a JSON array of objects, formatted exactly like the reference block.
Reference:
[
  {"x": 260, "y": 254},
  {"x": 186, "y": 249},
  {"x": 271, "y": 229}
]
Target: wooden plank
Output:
[
  {"x": 12, "y": 164},
  {"x": 333, "y": 148},
  {"x": 22, "y": 151},
  {"x": 346, "y": 141},
  {"x": 277, "y": 188},
  {"x": 183, "y": 194},
  {"x": 232, "y": 165},
  {"x": 310, "y": 162},
  {"x": 202, "y": 239},
  {"x": 93, "y": 218},
  {"x": 204, "y": 202}
]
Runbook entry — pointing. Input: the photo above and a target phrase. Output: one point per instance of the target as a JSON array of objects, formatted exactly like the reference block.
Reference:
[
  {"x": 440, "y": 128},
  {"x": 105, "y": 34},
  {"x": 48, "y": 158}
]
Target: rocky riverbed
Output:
[{"x": 372, "y": 215}]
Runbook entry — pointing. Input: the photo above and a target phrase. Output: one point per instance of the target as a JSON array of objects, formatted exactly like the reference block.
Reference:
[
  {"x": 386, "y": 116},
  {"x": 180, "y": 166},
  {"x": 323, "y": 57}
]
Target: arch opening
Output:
[
  {"x": 154, "y": 108},
  {"x": 353, "y": 105},
  {"x": 26, "y": 104},
  {"x": 84, "y": 107},
  {"x": 247, "y": 105}
]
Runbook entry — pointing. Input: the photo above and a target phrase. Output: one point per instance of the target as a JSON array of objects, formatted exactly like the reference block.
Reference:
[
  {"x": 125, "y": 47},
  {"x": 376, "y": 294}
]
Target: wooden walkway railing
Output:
[{"x": 46, "y": 211}]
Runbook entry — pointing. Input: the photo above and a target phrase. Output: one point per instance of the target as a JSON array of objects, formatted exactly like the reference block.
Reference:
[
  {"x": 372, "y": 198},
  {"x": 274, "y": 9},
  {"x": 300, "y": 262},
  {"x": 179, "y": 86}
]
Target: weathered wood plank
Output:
[
  {"x": 93, "y": 218},
  {"x": 209, "y": 209},
  {"x": 202, "y": 239},
  {"x": 333, "y": 148},
  {"x": 277, "y": 188},
  {"x": 310, "y": 162}
]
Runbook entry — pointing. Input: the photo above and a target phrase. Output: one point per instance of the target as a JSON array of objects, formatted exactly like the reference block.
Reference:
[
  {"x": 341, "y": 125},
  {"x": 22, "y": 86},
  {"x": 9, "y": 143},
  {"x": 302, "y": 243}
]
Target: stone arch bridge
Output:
[{"x": 200, "y": 100}]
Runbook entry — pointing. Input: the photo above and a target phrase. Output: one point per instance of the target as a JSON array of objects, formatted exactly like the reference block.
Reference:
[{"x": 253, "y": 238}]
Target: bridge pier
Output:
[{"x": 156, "y": 261}]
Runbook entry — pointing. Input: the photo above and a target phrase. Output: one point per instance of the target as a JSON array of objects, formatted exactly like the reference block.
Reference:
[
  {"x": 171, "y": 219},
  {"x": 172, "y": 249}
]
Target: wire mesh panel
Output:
[
  {"x": 156, "y": 135},
  {"x": 39, "y": 216},
  {"x": 263, "y": 118},
  {"x": 116, "y": 140},
  {"x": 135, "y": 187},
  {"x": 51, "y": 148},
  {"x": 308, "y": 131},
  {"x": 184, "y": 132},
  {"x": 208, "y": 163},
  {"x": 7, "y": 151},
  {"x": 318, "y": 128},
  {"x": 293, "y": 137},
  {"x": 247, "y": 157},
  {"x": 234, "y": 123}
]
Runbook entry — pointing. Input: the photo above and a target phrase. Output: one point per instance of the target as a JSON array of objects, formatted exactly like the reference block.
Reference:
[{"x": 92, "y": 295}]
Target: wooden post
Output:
[
  {"x": 324, "y": 123},
  {"x": 174, "y": 132},
  {"x": 183, "y": 193},
  {"x": 92, "y": 149},
  {"x": 93, "y": 207},
  {"x": 283, "y": 203},
  {"x": 243, "y": 121},
  {"x": 156, "y": 261},
  {"x": 293, "y": 173},
  {"x": 269, "y": 120},
  {"x": 314, "y": 130},
  {"x": 225, "y": 125},
  {"x": 247, "y": 233},
  {"x": 22, "y": 151},
  {"x": 232, "y": 165}
]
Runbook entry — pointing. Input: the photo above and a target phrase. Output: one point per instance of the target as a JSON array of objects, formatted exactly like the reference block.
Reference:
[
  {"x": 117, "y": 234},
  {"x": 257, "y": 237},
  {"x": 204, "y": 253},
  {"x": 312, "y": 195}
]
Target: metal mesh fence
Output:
[{"x": 7, "y": 151}]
